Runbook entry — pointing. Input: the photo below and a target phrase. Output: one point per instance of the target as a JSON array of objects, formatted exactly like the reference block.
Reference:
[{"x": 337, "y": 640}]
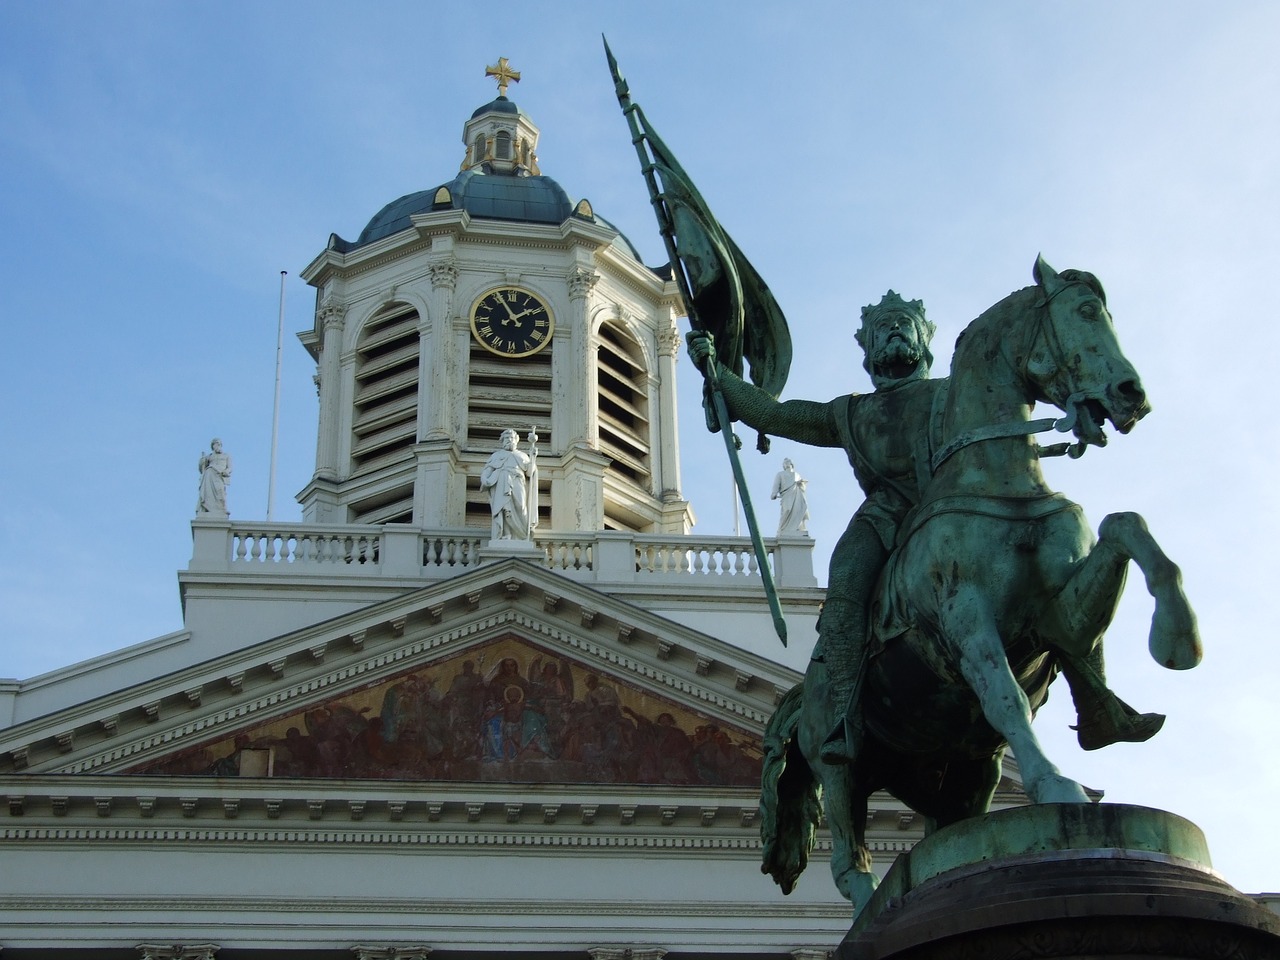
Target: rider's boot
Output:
[
  {"x": 1103, "y": 718},
  {"x": 842, "y": 629}
]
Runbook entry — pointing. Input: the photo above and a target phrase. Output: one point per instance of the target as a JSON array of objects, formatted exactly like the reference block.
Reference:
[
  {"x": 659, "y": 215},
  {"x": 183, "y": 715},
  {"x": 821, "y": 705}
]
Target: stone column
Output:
[
  {"x": 578, "y": 418},
  {"x": 677, "y": 517},
  {"x": 436, "y": 389},
  {"x": 332, "y": 315},
  {"x": 441, "y": 389},
  {"x": 667, "y": 445}
]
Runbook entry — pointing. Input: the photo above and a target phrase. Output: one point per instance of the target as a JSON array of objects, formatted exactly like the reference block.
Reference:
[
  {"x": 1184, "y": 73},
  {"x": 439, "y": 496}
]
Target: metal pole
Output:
[{"x": 275, "y": 412}]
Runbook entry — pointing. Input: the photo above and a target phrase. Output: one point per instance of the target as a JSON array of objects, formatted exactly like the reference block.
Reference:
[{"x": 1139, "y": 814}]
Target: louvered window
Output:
[
  {"x": 623, "y": 393},
  {"x": 384, "y": 419}
]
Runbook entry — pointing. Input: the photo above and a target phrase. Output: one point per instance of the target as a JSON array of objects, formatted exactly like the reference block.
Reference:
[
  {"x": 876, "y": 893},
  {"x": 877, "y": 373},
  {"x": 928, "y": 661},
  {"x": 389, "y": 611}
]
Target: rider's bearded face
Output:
[{"x": 896, "y": 348}]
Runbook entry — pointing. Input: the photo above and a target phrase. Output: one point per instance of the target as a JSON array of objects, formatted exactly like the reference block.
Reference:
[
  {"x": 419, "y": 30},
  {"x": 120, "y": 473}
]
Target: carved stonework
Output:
[
  {"x": 669, "y": 342},
  {"x": 177, "y": 951},
  {"x": 581, "y": 282},
  {"x": 332, "y": 313},
  {"x": 626, "y": 953},
  {"x": 415, "y": 952},
  {"x": 444, "y": 273}
]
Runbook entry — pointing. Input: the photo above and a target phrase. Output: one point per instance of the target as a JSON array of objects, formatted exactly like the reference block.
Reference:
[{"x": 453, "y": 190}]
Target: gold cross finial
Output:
[{"x": 502, "y": 70}]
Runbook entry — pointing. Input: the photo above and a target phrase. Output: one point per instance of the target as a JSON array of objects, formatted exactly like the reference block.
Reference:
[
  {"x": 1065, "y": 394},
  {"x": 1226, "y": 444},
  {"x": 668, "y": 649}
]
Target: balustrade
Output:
[
  {"x": 398, "y": 550},
  {"x": 697, "y": 558}
]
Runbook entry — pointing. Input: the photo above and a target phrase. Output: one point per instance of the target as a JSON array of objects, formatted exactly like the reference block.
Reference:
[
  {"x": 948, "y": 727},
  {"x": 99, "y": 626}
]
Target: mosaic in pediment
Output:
[{"x": 504, "y": 712}]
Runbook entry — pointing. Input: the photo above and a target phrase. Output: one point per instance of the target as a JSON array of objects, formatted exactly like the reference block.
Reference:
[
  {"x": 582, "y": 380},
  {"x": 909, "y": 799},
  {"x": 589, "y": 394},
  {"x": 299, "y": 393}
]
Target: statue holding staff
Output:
[{"x": 511, "y": 477}]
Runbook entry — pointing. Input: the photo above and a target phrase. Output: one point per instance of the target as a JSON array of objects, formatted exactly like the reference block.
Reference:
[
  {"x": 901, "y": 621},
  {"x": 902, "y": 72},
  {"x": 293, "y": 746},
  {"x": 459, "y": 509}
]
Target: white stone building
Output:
[{"x": 379, "y": 732}]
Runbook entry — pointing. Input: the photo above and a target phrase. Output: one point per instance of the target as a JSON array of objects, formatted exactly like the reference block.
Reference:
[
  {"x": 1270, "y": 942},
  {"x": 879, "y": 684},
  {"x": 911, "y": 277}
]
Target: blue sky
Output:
[{"x": 163, "y": 162}]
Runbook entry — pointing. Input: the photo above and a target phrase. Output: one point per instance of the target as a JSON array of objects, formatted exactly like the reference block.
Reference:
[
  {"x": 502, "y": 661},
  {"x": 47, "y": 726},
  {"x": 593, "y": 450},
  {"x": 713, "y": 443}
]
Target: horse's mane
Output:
[{"x": 1002, "y": 314}]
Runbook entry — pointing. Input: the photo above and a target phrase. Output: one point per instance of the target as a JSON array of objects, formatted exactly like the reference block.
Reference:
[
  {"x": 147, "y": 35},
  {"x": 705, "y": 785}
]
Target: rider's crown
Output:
[{"x": 891, "y": 304}]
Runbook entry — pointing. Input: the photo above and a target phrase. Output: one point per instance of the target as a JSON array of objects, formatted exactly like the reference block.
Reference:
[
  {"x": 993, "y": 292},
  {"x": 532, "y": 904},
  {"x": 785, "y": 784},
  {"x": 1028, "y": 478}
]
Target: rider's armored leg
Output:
[
  {"x": 856, "y": 562},
  {"x": 1102, "y": 717}
]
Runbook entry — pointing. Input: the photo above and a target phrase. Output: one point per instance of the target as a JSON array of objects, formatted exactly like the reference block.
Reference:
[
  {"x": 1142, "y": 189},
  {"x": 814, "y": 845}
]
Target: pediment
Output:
[
  {"x": 506, "y": 674},
  {"x": 505, "y": 710}
]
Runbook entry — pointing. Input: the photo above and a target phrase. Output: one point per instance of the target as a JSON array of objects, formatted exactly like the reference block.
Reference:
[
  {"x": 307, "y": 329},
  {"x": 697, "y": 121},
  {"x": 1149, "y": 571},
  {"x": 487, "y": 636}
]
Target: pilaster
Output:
[
  {"x": 439, "y": 486},
  {"x": 577, "y": 500}
]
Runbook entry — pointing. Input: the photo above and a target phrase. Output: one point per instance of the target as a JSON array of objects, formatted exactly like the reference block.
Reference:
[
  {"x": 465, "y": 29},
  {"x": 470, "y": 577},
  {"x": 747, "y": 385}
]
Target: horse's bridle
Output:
[{"x": 1001, "y": 431}]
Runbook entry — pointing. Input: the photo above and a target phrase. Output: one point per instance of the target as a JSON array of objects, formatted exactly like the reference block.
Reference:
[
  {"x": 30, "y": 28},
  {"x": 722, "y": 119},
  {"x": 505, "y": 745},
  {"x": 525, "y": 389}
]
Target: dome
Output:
[
  {"x": 500, "y": 105},
  {"x": 523, "y": 199}
]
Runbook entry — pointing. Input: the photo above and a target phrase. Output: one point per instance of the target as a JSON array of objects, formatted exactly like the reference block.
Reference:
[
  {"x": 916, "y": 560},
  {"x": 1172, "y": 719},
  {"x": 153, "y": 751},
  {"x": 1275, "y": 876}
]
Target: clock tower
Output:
[{"x": 494, "y": 301}]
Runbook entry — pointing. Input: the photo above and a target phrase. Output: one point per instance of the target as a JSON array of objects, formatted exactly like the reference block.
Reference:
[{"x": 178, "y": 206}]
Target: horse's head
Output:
[{"x": 1075, "y": 360}]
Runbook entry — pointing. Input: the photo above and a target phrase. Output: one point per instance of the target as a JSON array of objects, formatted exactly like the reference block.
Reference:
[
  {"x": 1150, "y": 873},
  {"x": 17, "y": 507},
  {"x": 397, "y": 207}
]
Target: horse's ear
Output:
[{"x": 1046, "y": 276}]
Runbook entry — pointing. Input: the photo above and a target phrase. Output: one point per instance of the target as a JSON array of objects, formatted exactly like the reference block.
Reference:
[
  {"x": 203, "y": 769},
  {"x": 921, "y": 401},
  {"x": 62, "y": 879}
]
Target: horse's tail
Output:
[{"x": 790, "y": 796}]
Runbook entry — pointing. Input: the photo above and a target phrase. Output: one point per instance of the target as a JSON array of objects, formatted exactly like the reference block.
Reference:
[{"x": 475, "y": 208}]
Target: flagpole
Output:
[
  {"x": 709, "y": 371},
  {"x": 275, "y": 409}
]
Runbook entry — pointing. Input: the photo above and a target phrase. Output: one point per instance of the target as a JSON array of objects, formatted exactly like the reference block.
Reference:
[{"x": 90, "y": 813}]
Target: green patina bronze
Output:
[{"x": 963, "y": 585}]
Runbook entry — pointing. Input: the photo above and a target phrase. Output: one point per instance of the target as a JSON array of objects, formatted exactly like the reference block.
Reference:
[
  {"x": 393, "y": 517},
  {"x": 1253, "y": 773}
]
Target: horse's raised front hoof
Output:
[
  {"x": 1056, "y": 788},
  {"x": 1175, "y": 639}
]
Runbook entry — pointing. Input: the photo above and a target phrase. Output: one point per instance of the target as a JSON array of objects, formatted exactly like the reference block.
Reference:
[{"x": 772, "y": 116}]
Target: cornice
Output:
[{"x": 478, "y": 907}]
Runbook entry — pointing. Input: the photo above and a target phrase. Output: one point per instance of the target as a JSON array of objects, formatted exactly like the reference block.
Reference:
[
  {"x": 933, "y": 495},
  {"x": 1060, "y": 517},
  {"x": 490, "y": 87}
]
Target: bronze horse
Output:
[{"x": 992, "y": 575}]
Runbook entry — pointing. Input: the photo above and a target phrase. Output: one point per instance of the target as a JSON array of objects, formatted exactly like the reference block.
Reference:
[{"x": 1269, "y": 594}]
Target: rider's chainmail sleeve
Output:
[{"x": 804, "y": 421}]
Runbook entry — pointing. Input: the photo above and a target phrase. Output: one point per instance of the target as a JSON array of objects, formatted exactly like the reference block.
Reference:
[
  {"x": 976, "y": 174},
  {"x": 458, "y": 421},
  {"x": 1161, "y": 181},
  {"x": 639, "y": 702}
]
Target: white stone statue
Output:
[
  {"x": 215, "y": 474},
  {"x": 790, "y": 488},
  {"x": 511, "y": 477}
]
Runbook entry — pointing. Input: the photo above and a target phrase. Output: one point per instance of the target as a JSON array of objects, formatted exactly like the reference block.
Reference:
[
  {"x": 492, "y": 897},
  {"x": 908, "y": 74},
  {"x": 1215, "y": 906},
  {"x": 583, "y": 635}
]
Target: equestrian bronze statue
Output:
[{"x": 983, "y": 583}]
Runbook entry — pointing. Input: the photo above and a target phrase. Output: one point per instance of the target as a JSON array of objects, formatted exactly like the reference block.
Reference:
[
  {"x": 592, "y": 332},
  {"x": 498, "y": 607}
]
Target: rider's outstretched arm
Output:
[{"x": 804, "y": 421}]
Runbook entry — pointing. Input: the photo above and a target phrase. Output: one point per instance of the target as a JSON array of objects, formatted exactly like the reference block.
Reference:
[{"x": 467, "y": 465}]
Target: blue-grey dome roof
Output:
[
  {"x": 486, "y": 196},
  {"x": 501, "y": 105},
  {"x": 489, "y": 196}
]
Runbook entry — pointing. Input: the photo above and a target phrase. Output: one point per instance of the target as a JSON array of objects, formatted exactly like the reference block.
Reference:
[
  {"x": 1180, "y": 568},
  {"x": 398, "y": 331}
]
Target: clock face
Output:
[{"x": 512, "y": 322}]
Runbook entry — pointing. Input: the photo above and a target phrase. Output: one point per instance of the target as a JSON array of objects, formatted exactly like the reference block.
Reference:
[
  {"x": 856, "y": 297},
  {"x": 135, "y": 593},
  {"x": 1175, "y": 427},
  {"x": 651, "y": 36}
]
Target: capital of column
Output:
[
  {"x": 444, "y": 273},
  {"x": 669, "y": 342},
  {"x": 332, "y": 314},
  {"x": 581, "y": 282}
]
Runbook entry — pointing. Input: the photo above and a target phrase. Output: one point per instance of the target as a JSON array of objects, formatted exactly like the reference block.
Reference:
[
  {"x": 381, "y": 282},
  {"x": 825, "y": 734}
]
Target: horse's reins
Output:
[{"x": 1001, "y": 431}]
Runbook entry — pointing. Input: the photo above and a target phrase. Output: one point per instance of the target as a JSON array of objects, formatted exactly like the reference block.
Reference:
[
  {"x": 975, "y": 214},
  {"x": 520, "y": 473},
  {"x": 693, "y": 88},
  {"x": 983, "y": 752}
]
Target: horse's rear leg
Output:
[
  {"x": 1085, "y": 606},
  {"x": 968, "y": 625},
  {"x": 846, "y": 806}
]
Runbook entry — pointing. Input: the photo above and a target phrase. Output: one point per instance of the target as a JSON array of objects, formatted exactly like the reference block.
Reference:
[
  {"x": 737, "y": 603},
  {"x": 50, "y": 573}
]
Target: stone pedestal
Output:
[
  {"x": 502, "y": 549},
  {"x": 1061, "y": 881}
]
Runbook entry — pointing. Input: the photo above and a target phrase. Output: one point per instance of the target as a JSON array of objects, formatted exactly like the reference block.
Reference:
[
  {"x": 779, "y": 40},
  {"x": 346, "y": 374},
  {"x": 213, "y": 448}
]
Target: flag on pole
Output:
[{"x": 731, "y": 300}]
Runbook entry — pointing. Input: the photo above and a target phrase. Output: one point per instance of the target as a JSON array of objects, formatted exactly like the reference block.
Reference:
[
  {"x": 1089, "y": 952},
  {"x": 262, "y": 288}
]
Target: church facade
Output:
[{"x": 392, "y": 730}]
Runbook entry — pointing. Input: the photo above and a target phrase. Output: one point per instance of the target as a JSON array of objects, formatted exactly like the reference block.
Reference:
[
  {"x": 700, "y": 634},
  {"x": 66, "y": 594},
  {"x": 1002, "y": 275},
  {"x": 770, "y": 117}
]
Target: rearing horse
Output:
[{"x": 993, "y": 575}]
